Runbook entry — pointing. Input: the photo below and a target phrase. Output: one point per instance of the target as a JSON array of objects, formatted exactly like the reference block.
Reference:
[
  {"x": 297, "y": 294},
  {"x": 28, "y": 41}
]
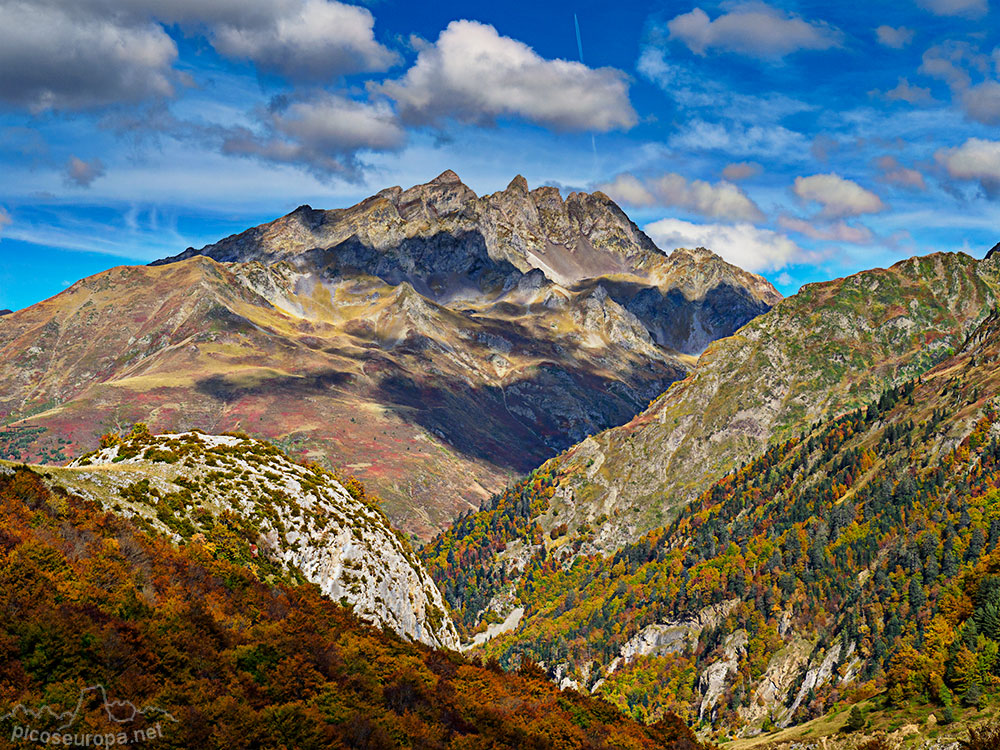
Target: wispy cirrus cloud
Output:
[
  {"x": 838, "y": 231},
  {"x": 969, "y": 8}
]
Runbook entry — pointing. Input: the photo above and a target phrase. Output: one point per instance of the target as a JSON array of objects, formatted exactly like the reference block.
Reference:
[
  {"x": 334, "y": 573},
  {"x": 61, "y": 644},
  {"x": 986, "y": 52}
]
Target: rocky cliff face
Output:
[
  {"x": 435, "y": 343},
  {"x": 451, "y": 244},
  {"x": 247, "y": 501}
]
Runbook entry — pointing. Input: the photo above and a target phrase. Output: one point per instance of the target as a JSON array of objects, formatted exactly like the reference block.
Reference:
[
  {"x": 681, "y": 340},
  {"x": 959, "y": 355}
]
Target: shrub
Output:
[
  {"x": 855, "y": 721},
  {"x": 973, "y": 697},
  {"x": 109, "y": 438}
]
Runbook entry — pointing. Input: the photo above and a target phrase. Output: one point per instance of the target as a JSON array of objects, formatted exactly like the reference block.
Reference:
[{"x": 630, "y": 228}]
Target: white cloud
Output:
[
  {"x": 948, "y": 62},
  {"x": 474, "y": 75},
  {"x": 839, "y": 231},
  {"x": 906, "y": 92},
  {"x": 742, "y": 244},
  {"x": 839, "y": 197},
  {"x": 741, "y": 170},
  {"x": 311, "y": 40},
  {"x": 324, "y": 132},
  {"x": 761, "y": 141},
  {"x": 81, "y": 173},
  {"x": 653, "y": 65},
  {"x": 628, "y": 189},
  {"x": 982, "y": 103},
  {"x": 955, "y": 63},
  {"x": 755, "y": 29},
  {"x": 52, "y": 58},
  {"x": 722, "y": 200},
  {"x": 976, "y": 159},
  {"x": 88, "y": 54},
  {"x": 970, "y": 8},
  {"x": 5, "y": 219},
  {"x": 897, "y": 38},
  {"x": 896, "y": 174}
]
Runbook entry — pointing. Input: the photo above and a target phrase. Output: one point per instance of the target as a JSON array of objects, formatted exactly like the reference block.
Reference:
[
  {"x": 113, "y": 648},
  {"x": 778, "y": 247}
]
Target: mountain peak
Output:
[
  {"x": 993, "y": 251},
  {"x": 518, "y": 184},
  {"x": 447, "y": 177}
]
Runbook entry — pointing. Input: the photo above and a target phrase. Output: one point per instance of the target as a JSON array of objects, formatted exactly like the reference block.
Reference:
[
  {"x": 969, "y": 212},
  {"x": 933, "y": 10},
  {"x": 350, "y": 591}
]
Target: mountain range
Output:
[
  {"x": 434, "y": 343},
  {"x": 642, "y": 475}
]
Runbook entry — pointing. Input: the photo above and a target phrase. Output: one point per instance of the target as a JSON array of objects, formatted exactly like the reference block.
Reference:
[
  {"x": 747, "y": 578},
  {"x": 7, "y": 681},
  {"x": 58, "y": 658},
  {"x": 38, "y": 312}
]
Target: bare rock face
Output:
[
  {"x": 246, "y": 500},
  {"x": 451, "y": 244}
]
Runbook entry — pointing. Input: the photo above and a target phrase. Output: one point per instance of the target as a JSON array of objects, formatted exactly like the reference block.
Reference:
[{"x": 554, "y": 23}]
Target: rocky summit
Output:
[
  {"x": 432, "y": 342},
  {"x": 452, "y": 246}
]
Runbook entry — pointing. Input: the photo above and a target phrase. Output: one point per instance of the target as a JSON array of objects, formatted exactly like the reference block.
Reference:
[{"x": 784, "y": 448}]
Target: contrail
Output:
[
  {"x": 579, "y": 39},
  {"x": 579, "y": 48}
]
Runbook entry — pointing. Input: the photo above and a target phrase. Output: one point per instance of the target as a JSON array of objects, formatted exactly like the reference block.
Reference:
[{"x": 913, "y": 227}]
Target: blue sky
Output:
[{"x": 802, "y": 140}]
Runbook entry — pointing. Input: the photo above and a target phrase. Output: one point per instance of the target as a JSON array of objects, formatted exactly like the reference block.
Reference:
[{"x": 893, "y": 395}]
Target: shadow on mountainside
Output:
[
  {"x": 522, "y": 424},
  {"x": 230, "y": 389},
  {"x": 678, "y": 323}
]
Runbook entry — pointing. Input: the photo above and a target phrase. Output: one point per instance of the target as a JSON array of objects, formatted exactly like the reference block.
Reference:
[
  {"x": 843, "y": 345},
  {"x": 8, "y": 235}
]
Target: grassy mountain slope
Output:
[
  {"x": 832, "y": 347},
  {"x": 218, "y": 659},
  {"x": 859, "y": 558},
  {"x": 829, "y": 348},
  {"x": 432, "y": 407}
]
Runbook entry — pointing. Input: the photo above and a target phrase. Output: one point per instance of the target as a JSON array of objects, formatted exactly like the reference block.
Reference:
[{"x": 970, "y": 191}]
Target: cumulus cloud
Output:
[
  {"x": 838, "y": 197},
  {"x": 56, "y": 58},
  {"x": 982, "y": 103},
  {"x": 955, "y": 63},
  {"x": 755, "y": 29},
  {"x": 311, "y": 40},
  {"x": 741, "y": 170},
  {"x": 839, "y": 231},
  {"x": 906, "y": 92},
  {"x": 87, "y": 54},
  {"x": 742, "y": 244},
  {"x": 81, "y": 173},
  {"x": 324, "y": 133},
  {"x": 897, "y": 38},
  {"x": 969, "y": 8},
  {"x": 722, "y": 200},
  {"x": 474, "y": 75},
  {"x": 948, "y": 62},
  {"x": 977, "y": 159},
  {"x": 896, "y": 174}
]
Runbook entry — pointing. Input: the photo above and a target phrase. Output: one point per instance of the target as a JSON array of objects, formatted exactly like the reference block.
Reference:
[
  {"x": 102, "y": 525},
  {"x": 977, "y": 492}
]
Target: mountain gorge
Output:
[
  {"x": 434, "y": 343},
  {"x": 850, "y": 547}
]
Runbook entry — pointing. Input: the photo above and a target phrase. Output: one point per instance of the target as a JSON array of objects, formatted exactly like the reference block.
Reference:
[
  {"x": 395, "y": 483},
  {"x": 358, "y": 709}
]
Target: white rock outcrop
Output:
[{"x": 306, "y": 522}]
